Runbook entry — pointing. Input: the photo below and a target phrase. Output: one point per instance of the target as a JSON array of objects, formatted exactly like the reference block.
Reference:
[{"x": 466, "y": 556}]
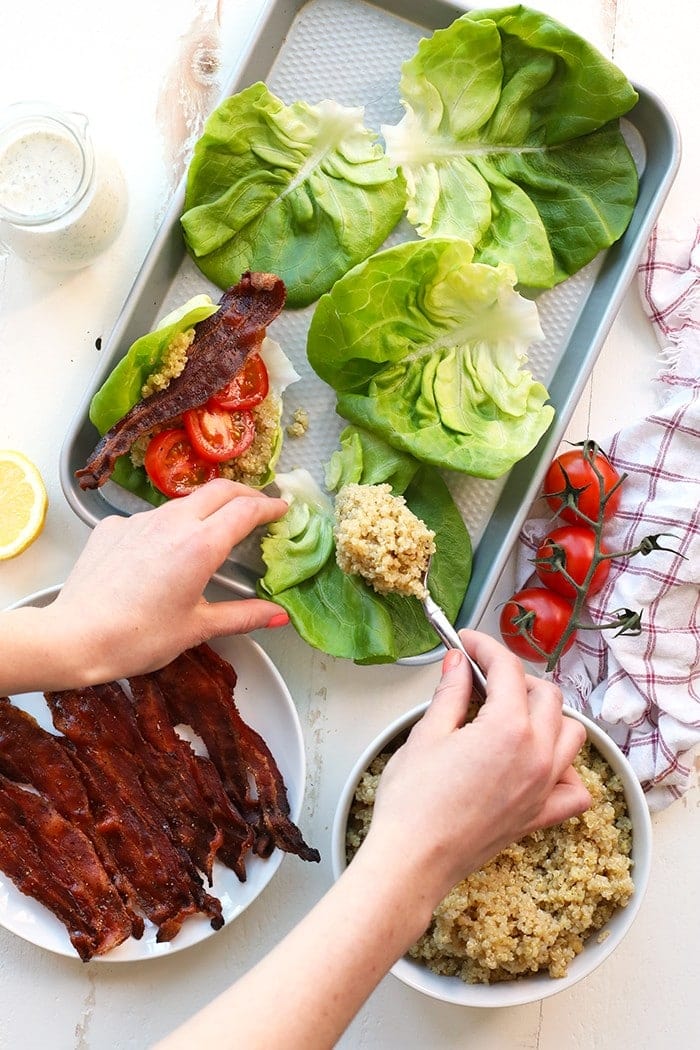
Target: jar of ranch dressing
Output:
[{"x": 62, "y": 201}]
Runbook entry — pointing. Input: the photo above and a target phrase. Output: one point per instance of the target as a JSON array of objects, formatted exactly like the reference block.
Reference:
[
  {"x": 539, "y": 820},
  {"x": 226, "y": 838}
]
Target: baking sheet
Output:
[{"x": 352, "y": 51}]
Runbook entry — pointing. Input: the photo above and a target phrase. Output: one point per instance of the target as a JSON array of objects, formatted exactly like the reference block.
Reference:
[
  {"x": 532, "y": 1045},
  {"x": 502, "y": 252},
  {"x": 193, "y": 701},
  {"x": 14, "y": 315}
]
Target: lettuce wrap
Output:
[
  {"x": 149, "y": 357},
  {"x": 341, "y": 614}
]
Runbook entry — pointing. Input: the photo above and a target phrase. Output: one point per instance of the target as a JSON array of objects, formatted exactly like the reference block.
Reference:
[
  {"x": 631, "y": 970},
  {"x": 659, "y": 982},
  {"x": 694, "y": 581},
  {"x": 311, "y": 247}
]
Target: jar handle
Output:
[{"x": 80, "y": 120}]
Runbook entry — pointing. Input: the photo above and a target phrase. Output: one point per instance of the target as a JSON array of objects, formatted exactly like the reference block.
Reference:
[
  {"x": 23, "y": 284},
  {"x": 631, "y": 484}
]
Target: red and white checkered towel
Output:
[{"x": 645, "y": 690}]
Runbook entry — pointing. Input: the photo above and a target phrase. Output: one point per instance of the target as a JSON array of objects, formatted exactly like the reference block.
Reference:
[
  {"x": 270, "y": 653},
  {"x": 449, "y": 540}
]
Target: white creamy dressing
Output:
[
  {"x": 58, "y": 220},
  {"x": 40, "y": 173}
]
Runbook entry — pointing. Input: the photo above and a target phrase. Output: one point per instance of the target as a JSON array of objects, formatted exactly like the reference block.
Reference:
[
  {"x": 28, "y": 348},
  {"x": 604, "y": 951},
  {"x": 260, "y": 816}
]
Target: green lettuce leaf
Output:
[
  {"x": 511, "y": 140},
  {"x": 340, "y": 614},
  {"x": 301, "y": 191},
  {"x": 425, "y": 348}
]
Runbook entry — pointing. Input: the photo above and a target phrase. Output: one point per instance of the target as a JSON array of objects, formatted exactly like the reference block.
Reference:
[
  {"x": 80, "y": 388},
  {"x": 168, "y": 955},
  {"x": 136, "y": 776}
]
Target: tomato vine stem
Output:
[{"x": 623, "y": 621}]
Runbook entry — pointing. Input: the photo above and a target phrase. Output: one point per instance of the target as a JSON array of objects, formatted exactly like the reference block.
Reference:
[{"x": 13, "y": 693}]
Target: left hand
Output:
[{"x": 134, "y": 599}]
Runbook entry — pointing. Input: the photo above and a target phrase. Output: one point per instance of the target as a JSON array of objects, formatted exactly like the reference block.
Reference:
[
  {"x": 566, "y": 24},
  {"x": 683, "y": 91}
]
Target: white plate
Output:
[{"x": 265, "y": 703}]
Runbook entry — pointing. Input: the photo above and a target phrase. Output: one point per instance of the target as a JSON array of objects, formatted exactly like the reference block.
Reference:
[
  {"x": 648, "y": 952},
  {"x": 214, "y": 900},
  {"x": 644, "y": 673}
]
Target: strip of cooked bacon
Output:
[
  {"x": 269, "y": 784},
  {"x": 166, "y": 882},
  {"x": 51, "y": 860},
  {"x": 238, "y": 834},
  {"x": 198, "y": 690},
  {"x": 197, "y": 805},
  {"x": 221, "y": 347},
  {"x": 30, "y": 755},
  {"x": 185, "y": 688}
]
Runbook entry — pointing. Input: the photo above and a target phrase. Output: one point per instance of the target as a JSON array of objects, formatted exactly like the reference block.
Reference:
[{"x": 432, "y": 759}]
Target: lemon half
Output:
[{"x": 23, "y": 503}]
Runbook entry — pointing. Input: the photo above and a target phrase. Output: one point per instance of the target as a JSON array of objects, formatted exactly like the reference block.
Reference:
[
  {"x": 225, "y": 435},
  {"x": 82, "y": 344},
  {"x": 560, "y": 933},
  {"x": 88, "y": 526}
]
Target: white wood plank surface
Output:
[{"x": 113, "y": 61}]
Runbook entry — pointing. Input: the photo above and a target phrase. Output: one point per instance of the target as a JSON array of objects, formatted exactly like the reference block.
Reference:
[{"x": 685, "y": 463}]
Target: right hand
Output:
[{"x": 454, "y": 795}]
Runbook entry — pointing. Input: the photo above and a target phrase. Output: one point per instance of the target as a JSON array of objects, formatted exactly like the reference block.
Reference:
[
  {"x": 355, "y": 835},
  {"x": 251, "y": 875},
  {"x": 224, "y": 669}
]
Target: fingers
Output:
[
  {"x": 236, "y": 519},
  {"x": 219, "y": 494},
  {"x": 573, "y": 736},
  {"x": 448, "y": 708},
  {"x": 227, "y": 510},
  {"x": 568, "y": 798},
  {"x": 504, "y": 671},
  {"x": 207, "y": 498},
  {"x": 545, "y": 703},
  {"x": 241, "y": 616}
]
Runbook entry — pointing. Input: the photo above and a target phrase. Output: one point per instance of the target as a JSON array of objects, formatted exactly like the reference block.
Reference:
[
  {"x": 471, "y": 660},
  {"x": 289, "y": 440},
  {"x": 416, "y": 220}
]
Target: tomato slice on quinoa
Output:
[
  {"x": 247, "y": 389},
  {"x": 173, "y": 465},
  {"x": 219, "y": 435}
]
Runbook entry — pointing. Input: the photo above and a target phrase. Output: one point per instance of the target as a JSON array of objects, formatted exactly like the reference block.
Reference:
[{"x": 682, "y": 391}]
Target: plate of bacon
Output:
[{"x": 138, "y": 817}]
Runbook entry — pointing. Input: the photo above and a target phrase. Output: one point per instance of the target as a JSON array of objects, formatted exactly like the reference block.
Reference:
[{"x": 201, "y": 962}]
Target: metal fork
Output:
[{"x": 448, "y": 635}]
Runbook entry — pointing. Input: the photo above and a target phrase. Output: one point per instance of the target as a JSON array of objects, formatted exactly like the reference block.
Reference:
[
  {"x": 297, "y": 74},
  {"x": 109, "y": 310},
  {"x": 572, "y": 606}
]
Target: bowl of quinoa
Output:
[{"x": 546, "y": 911}]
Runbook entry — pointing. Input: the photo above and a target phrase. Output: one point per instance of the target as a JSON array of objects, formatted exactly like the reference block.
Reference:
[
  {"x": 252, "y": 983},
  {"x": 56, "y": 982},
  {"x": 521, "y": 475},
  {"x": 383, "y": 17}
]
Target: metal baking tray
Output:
[{"x": 352, "y": 51}]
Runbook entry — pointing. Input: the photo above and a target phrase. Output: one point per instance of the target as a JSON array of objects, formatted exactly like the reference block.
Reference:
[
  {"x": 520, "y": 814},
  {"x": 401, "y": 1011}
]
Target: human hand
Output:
[
  {"x": 455, "y": 795},
  {"x": 134, "y": 599}
]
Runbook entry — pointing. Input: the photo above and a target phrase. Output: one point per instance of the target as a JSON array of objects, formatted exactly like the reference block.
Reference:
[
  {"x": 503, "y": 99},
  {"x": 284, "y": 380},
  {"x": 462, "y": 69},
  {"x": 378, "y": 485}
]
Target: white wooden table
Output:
[{"x": 116, "y": 62}]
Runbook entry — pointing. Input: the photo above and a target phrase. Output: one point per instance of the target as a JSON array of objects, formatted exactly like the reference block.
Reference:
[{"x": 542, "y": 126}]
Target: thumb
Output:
[{"x": 242, "y": 616}]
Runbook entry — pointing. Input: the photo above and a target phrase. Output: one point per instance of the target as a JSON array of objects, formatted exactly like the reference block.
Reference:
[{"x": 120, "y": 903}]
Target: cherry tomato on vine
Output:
[
  {"x": 245, "y": 390},
  {"x": 571, "y": 547},
  {"x": 219, "y": 435},
  {"x": 173, "y": 466},
  {"x": 543, "y": 615},
  {"x": 571, "y": 484}
]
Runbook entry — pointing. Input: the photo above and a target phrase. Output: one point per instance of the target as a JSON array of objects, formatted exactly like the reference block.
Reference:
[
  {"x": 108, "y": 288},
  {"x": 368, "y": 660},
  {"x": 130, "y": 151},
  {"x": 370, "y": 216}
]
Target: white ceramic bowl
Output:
[{"x": 540, "y": 985}]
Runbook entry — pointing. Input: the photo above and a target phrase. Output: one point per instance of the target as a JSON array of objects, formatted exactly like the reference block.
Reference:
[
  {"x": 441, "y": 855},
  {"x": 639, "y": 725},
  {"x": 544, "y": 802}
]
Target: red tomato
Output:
[
  {"x": 573, "y": 489},
  {"x": 173, "y": 466},
  {"x": 543, "y": 614},
  {"x": 246, "y": 389},
  {"x": 571, "y": 547},
  {"x": 219, "y": 435}
]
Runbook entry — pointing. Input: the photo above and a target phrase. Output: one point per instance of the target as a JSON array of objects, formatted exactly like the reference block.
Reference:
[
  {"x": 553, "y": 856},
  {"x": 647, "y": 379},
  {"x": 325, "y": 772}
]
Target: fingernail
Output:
[
  {"x": 452, "y": 659},
  {"x": 280, "y": 619}
]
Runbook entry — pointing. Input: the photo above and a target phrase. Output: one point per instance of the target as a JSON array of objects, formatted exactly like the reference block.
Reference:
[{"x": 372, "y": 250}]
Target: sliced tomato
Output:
[
  {"x": 219, "y": 435},
  {"x": 245, "y": 390},
  {"x": 173, "y": 465}
]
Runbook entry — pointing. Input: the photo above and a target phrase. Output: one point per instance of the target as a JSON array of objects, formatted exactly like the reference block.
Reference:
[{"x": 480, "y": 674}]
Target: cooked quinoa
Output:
[
  {"x": 300, "y": 423},
  {"x": 173, "y": 363},
  {"x": 379, "y": 538},
  {"x": 534, "y": 905},
  {"x": 252, "y": 465}
]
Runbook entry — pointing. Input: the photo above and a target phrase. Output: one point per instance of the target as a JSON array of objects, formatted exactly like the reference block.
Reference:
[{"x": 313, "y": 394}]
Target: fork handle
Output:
[{"x": 448, "y": 635}]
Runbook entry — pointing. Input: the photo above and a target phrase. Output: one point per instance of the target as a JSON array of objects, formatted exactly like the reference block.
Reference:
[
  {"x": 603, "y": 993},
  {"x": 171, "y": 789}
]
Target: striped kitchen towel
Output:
[{"x": 645, "y": 690}]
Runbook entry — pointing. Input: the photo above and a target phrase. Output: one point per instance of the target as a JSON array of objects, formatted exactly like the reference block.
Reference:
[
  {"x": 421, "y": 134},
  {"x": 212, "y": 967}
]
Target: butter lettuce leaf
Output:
[
  {"x": 340, "y": 614},
  {"x": 301, "y": 191},
  {"x": 426, "y": 348},
  {"x": 511, "y": 140}
]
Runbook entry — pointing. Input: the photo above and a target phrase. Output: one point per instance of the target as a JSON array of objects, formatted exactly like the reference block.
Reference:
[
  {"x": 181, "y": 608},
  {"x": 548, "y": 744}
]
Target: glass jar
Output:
[{"x": 62, "y": 201}]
